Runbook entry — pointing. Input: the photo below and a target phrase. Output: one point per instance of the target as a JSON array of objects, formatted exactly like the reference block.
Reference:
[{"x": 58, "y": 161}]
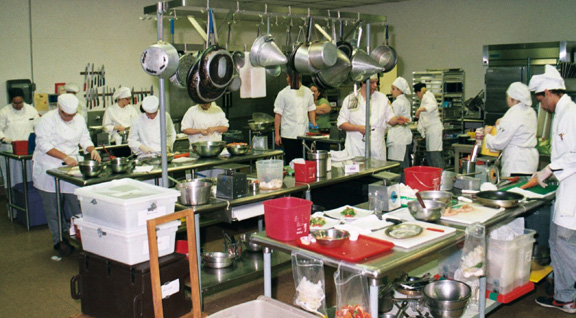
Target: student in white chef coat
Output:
[
  {"x": 550, "y": 91},
  {"x": 516, "y": 135},
  {"x": 72, "y": 88},
  {"x": 144, "y": 138},
  {"x": 399, "y": 137},
  {"x": 429, "y": 125},
  {"x": 119, "y": 116},
  {"x": 204, "y": 122},
  {"x": 58, "y": 134},
  {"x": 352, "y": 119},
  {"x": 17, "y": 121},
  {"x": 294, "y": 109}
]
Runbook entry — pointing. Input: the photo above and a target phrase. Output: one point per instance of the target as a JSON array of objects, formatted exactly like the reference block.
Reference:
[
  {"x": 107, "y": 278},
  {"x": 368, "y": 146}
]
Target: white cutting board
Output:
[
  {"x": 480, "y": 214},
  {"x": 424, "y": 238}
]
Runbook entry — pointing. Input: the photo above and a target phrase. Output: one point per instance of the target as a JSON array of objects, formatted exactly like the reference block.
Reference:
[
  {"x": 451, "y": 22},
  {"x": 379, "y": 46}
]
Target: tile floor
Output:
[{"x": 33, "y": 285}]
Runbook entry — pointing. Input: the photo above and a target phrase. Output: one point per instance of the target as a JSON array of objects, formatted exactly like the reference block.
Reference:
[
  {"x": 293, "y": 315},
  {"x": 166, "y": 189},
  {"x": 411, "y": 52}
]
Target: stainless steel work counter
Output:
[{"x": 379, "y": 267}]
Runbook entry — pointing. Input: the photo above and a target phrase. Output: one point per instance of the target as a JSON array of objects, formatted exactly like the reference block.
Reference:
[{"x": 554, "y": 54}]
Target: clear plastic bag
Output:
[
  {"x": 352, "y": 293},
  {"x": 473, "y": 262},
  {"x": 309, "y": 282}
]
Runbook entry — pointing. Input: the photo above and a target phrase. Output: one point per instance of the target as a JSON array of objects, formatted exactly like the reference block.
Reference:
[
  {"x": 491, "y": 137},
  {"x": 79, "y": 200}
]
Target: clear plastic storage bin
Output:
[
  {"x": 125, "y": 204},
  {"x": 509, "y": 262}
]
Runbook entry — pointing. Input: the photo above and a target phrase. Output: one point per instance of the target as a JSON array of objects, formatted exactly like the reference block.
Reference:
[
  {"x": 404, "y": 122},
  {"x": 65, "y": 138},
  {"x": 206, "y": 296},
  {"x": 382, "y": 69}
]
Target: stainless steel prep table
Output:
[
  {"x": 290, "y": 186},
  {"x": 11, "y": 205},
  {"x": 60, "y": 174},
  {"x": 339, "y": 142},
  {"x": 379, "y": 267}
]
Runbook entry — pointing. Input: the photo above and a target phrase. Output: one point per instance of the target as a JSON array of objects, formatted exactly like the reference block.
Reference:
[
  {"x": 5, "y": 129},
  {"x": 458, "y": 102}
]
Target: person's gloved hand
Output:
[
  {"x": 6, "y": 140},
  {"x": 542, "y": 175},
  {"x": 312, "y": 126},
  {"x": 145, "y": 149},
  {"x": 95, "y": 155},
  {"x": 70, "y": 161}
]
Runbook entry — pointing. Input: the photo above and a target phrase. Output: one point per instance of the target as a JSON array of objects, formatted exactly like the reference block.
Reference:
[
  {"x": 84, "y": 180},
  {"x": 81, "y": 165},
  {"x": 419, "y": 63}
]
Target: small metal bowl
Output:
[
  {"x": 217, "y": 259},
  {"x": 432, "y": 212},
  {"x": 331, "y": 237},
  {"x": 238, "y": 149},
  {"x": 258, "y": 125},
  {"x": 208, "y": 148},
  {"x": 120, "y": 165},
  {"x": 91, "y": 168},
  {"x": 252, "y": 247}
]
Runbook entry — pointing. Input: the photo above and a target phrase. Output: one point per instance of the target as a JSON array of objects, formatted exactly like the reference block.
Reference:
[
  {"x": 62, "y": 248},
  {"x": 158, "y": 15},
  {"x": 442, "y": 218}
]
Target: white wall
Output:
[{"x": 68, "y": 34}]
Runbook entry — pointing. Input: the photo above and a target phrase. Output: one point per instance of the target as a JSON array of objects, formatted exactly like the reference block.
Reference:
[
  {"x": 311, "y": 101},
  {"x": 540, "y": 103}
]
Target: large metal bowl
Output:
[
  {"x": 432, "y": 212},
  {"x": 238, "y": 149},
  {"x": 217, "y": 259},
  {"x": 442, "y": 196},
  {"x": 447, "y": 298},
  {"x": 331, "y": 237},
  {"x": 259, "y": 125},
  {"x": 208, "y": 149},
  {"x": 120, "y": 165},
  {"x": 91, "y": 168}
]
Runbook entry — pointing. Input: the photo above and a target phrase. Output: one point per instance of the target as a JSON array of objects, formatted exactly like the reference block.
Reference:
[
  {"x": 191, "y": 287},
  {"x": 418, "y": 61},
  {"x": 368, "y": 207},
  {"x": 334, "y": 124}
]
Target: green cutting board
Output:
[{"x": 537, "y": 189}]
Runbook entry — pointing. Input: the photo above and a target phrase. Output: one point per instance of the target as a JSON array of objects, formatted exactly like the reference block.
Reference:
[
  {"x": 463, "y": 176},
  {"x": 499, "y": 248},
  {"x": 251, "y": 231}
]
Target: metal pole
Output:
[
  {"x": 367, "y": 135},
  {"x": 162, "y": 98}
]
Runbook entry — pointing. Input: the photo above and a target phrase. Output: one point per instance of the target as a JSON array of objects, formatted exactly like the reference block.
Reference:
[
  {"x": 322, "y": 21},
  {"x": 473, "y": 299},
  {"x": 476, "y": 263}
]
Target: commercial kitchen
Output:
[{"x": 468, "y": 53}]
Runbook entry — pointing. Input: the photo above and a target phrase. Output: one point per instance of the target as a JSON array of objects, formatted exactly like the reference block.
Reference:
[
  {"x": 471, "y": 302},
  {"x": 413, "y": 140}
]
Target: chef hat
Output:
[
  {"x": 15, "y": 92},
  {"x": 551, "y": 79},
  {"x": 122, "y": 92},
  {"x": 72, "y": 87},
  {"x": 68, "y": 103},
  {"x": 402, "y": 85},
  {"x": 150, "y": 104},
  {"x": 519, "y": 91}
]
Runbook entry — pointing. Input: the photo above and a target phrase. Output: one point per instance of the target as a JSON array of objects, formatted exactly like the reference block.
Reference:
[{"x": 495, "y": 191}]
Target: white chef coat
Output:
[
  {"x": 380, "y": 115},
  {"x": 53, "y": 132},
  {"x": 516, "y": 136},
  {"x": 145, "y": 131},
  {"x": 198, "y": 118},
  {"x": 116, "y": 115},
  {"x": 429, "y": 124},
  {"x": 563, "y": 162},
  {"x": 400, "y": 135},
  {"x": 16, "y": 125},
  {"x": 293, "y": 105}
]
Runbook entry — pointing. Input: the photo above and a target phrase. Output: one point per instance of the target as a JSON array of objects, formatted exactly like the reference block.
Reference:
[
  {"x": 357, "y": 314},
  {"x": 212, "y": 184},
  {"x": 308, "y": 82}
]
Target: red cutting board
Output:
[{"x": 352, "y": 251}]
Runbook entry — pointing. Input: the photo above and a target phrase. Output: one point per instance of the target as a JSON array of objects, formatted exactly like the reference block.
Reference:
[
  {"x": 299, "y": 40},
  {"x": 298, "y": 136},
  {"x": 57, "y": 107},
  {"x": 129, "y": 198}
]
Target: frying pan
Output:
[
  {"x": 385, "y": 55},
  {"x": 216, "y": 68},
  {"x": 499, "y": 198}
]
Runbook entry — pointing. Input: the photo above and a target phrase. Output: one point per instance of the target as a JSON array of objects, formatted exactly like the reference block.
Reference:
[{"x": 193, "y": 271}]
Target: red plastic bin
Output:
[
  {"x": 287, "y": 218},
  {"x": 423, "y": 178},
  {"x": 20, "y": 147},
  {"x": 305, "y": 172}
]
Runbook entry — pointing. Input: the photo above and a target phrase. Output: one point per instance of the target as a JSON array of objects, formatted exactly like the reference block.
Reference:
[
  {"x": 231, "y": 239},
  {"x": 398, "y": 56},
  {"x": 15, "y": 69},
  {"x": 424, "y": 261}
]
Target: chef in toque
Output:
[
  {"x": 17, "y": 121},
  {"x": 119, "y": 116},
  {"x": 72, "y": 88},
  {"x": 144, "y": 138},
  {"x": 58, "y": 134},
  {"x": 429, "y": 125},
  {"x": 399, "y": 137}
]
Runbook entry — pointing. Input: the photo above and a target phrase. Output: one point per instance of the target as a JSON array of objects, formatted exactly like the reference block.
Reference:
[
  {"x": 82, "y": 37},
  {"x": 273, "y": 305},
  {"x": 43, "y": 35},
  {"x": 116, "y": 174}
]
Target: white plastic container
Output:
[
  {"x": 125, "y": 247},
  {"x": 270, "y": 173},
  {"x": 509, "y": 262},
  {"x": 125, "y": 204},
  {"x": 263, "y": 307}
]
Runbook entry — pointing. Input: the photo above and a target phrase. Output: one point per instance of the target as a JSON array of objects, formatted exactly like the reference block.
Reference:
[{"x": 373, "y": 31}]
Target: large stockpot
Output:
[
  {"x": 499, "y": 198},
  {"x": 160, "y": 59},
  {"x": 194, "y": 192}
]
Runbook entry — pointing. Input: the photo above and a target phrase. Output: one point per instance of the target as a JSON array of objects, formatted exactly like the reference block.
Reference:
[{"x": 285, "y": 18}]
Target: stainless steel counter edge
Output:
[
  {"x": 16, "y": 157},
  {"x": 172, "y": 167},
  {"x": 380, "y": 266},
  {"x": 290, "y": 186}
]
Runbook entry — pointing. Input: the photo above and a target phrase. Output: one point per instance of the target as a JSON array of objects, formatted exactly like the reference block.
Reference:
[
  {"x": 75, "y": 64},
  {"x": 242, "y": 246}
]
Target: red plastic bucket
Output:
[
  {"x": 20, "y": 147},
  {"x": 182, "y": 247},
  {"x": 287, "y": 218},
  {"x": 423, "y": 178},
  {"x": 305, "y": 172}
]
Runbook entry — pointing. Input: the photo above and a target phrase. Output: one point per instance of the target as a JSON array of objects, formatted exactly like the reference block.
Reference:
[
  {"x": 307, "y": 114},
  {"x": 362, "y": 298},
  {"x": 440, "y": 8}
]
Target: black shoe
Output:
[
  {"x": 550, "y": 302},
  {"x": 64, "y": 248}
]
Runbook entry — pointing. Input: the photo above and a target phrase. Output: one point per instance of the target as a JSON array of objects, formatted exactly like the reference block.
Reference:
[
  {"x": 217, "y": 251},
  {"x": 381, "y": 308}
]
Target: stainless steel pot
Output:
[
  {"x": 322, "y": 54},
  {"x": 499, "y": 198},
  {"x": 194, "y": 192},
  {"x": 160, "y": 59},
  {"x": 385, "y": 55},
  {"x": 336, "y": 75}
]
